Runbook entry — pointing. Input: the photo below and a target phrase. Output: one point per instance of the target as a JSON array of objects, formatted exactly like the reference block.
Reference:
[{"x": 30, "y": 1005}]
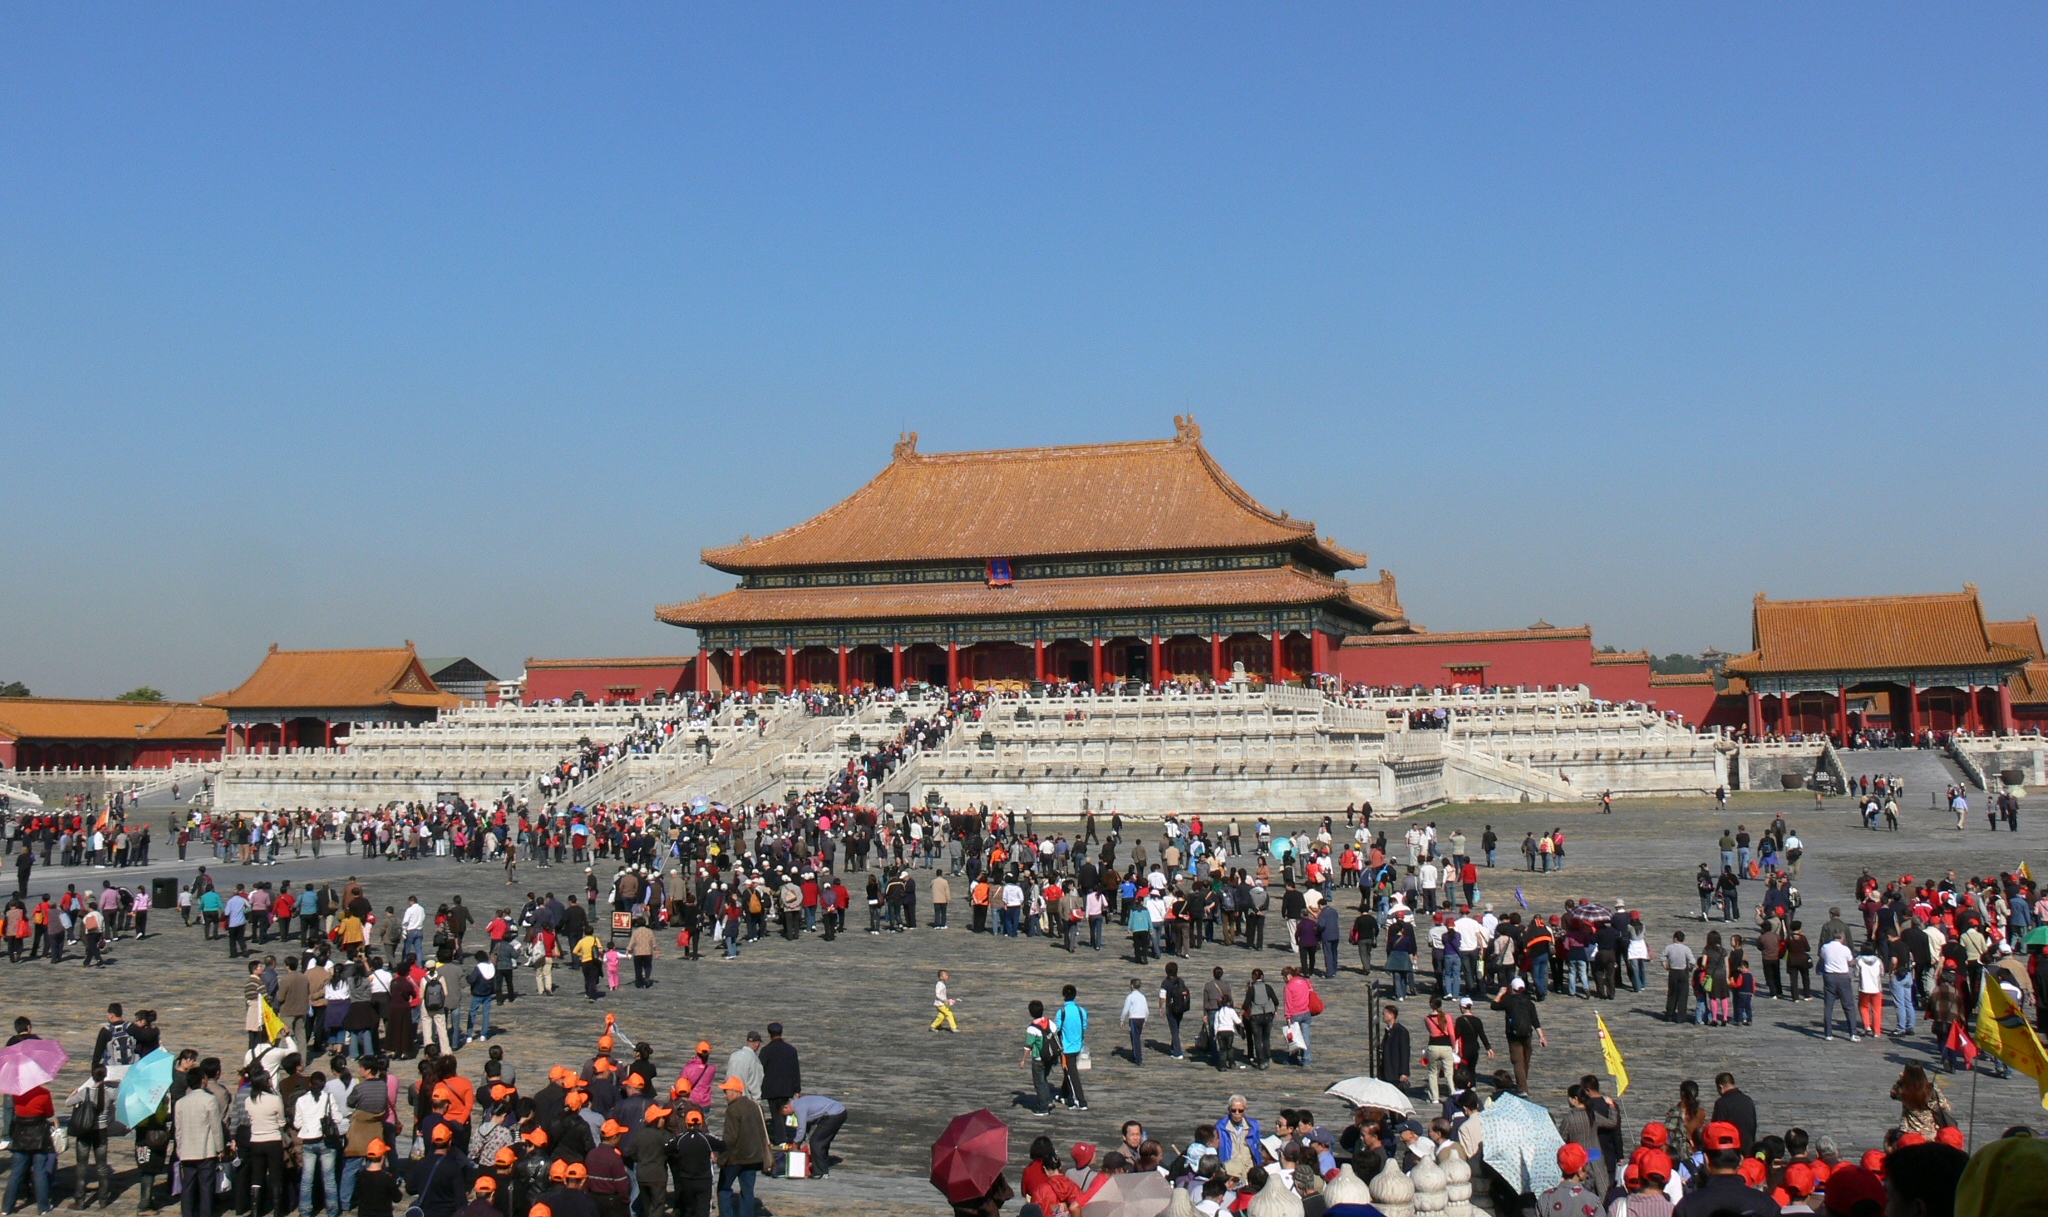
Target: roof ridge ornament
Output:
[
  {"x": 1185, "y": 429},
  {"x": 906, "y": 444}
]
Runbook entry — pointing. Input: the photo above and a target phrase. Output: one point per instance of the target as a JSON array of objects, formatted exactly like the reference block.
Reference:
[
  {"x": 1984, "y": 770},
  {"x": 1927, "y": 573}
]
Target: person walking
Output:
[
  {"x": 1524, "y": 1025},
  {"x": 944, "y": 1002},
  {"x": 1440, "y": 1051},
  {"x": 1395, "y": 1051},
  {"x": 1041, "y": 1055},
  {"x": 1133, "y": 1015},
  {"x": 1837, "y": 984},
  {"x": 746, "y": 1152}
]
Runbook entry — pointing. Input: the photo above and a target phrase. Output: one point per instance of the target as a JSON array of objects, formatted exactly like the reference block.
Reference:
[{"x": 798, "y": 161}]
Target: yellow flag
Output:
[
  {"x": 273, "y": 1026},
  {"x": 2003, "y": 1032},
  {"x": 1615, "y": 1066},
  {"x": 2025, "y": 873}
]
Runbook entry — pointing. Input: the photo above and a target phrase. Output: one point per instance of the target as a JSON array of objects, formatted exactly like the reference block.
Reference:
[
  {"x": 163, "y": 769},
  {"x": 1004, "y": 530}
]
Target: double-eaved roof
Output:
[
  {"x": 1085, "y": 500},
  {"x": 1945, "y": 630},
  {"x": 1070, "y": 521}
]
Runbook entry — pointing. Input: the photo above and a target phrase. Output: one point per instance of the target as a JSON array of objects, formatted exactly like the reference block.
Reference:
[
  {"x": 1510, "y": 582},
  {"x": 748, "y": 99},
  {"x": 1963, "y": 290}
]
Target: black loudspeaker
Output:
[{"x": 163, "y": 894}]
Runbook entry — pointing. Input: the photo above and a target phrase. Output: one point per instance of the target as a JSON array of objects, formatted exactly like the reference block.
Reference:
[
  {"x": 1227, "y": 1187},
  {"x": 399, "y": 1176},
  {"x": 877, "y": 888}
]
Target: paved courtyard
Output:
[{"x": 858, "y": 1008}]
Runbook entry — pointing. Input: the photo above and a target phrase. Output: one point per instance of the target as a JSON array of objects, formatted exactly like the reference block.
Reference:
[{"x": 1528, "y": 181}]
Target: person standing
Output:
[
  {"x": 1678, "y": 965},
  {"x": 1071, "y": 1024},
  {"x": 1735, "y": 1109},
  {"x": 197, "y": 1121},
  {"x": 944, "y": 1002},
  {"x": 746, "y": 1152},
  {"x": 691, "y": 1156},
  {"x": 1396, "y": 1054},
  {"x": 1837, "y": 984}
]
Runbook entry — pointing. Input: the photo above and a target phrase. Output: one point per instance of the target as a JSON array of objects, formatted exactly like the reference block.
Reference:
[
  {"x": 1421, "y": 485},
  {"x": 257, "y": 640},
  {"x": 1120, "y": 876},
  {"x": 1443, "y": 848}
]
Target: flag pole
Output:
[{"x": 1970, "y": 1146}]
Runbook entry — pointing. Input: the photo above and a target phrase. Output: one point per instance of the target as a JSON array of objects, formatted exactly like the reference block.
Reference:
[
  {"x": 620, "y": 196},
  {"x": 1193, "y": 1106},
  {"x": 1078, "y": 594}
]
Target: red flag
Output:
[
  {"x": 1959, "y": 1041},
  {"x": 100, "y": 825}
]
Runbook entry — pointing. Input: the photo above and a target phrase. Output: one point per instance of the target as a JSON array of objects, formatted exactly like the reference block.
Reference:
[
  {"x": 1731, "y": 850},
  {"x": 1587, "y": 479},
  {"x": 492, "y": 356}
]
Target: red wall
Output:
[
  {"x": 597, "y": 680},
  {"x": 1567, "y": 659}
]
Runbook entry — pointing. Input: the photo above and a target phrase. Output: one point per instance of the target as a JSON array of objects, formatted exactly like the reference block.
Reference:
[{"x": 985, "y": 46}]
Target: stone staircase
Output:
[
  {"x": 1473, "y": 774},
  {"x": 1925, "y": 771}
]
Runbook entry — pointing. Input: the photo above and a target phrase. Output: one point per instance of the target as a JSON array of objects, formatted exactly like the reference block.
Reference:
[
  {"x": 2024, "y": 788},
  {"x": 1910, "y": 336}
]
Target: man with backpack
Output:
[
  {"x": 434, "y": 1007},
  {"x": 1042, "y": 1054},
  {"x": 115, "y": 1047},
  {"x": 483, "y": 990},
  {"x": 1174, "y": 999}
]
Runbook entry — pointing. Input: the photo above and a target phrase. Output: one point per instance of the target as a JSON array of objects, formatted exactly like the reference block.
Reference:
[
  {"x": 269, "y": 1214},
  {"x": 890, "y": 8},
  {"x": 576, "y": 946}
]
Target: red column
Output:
[
  {"x": 788, "y": 668},
  {"x": 1320, "y": 644},
  {"x": 701, "y": 675},
  {"x": 1096, "y": 650},
  {"x": 1912, "y": 709},
  {"x": 1038, "y": 660},
  {"x": 1216, "y": 665},
  {"x": 1842, "y": 712},
  {"x": 896, "y": 666},
  {"x": 1756, "y": 715},
  {"x": 1279, "y": 647},
  {"x": 1158, "y": 662},
  {"x": 1971, "y": 721},
  {"x": 329, "y": 724},
  {"x": 952, "y": 665},
  {"x": 2005, "y": 707},
  {"x": 842, "y": 669}
]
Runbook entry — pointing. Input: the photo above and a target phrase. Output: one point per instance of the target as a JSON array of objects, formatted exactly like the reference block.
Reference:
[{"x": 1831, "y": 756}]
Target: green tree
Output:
[
  {"x": 1676, "y": 664},
  {"x": 142, "y": 693},
  {"x": 14, "y": 688}
]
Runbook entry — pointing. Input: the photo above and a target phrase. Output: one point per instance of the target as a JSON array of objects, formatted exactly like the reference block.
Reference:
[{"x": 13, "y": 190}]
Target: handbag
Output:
[
  {"x": 1315, "y": 1001},
  {"x": 1083, "y": 1061}
]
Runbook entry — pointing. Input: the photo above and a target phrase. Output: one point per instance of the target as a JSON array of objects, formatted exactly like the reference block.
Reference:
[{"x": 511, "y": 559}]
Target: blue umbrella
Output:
[
  {"x": 143, "y": 1087},
  {"x": 1522, "y": 1143}
]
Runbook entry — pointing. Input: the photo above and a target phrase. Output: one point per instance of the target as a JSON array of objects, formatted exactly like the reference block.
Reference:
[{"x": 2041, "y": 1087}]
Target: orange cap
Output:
[
  {"x": 376, "y": 1149},
  {"x": 541, "y": 1209},
  {"x": 505, "y": 1157},
  {"x": 576, "y": 1170},
  {"x": 577, "y": 1100},
  {"x": 558, "y": 1170},
  {"x": 558, "y": 1074},
  {"x": 656, "y": 1115},
  {"x": 605, "y": 1042},
  {"x": 693, "y": 1116},
  {"x": 485, "y": 1183},
  {"x": 537, "y": 1138},
  {"x": 442, "y": 1094},
  {"x": 443, "y": 1134},
  {"x": 612, "y": 1128},
  {"x": 703, "y": 1045},
  {"x": 732, "y": 1085},
  {"x": 501, "y": 1092},
  {"x": 605, "y": 1064}
]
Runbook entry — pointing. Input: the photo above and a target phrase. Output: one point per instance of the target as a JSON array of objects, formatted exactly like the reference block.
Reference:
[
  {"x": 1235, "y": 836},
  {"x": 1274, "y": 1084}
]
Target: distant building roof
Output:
[
  {"x": 1944, "y": 630},
  {"x": 336, "y": 680},
  {"x": 1152, "y": 496},
  {"x": 78, "y": 719},
  {"x": 1540, "y": 632},
  {"x": 457, "y": 669}
]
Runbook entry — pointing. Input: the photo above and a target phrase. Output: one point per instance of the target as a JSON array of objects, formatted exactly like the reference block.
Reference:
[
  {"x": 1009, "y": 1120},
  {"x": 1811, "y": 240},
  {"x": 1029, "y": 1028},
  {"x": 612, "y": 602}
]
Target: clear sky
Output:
[{"x": 472, "y": 324}]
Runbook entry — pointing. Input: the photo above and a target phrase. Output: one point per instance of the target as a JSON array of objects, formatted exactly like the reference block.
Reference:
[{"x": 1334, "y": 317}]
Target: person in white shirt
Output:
[
  {"x": 944, "y": 1002},
  {"x": 314, "y": 1115},
  {"x": 1135, "y": 1010},
  {"x": 414, "y": 922},
  {"x": 1837, "y": 985}
]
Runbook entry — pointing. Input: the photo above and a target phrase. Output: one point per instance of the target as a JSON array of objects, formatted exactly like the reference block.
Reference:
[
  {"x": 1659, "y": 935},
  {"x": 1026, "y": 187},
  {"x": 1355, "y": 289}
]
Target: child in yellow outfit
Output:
[{"x": 945, "y": 1003}]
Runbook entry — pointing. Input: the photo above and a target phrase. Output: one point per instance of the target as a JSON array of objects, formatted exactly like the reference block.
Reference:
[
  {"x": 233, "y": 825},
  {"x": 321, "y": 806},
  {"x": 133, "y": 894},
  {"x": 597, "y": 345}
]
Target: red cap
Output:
[
  {"x": 1951, "y": 1137},
  {"x": 1911, "y": 1138},
  {"x": 1654, "y": 1164},
  {"x": 1721, "y": 1135},
  {"x": 1753, "y": 1172},
  {"x": 1850, "y": 1186},
  {"x": 1799, "y": 1179},
  {"x": 1873, "y": 1161},
  {"x": 1083, "y": 1154},
  {"x": 1571, "y": 1158},
  {"x": 1655, "y": 1135}
]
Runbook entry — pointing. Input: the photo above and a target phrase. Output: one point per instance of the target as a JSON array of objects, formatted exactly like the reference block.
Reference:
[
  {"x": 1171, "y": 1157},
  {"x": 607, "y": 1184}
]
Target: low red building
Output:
[
  {"x": 2030, "y": 687},
  {"x": 64, "y": 733},
  {"x": 607, "y": 680},
  {"x": 1542, "y": 655}
]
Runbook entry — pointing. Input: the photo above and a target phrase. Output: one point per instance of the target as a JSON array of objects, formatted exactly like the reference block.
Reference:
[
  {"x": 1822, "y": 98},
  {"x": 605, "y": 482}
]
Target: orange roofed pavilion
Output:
[
  {"x": 1909, "y": 663},
  {"x": 309, "y": 699},
  {"x": 1093, "y": 563},
  {"x": 60, "y": 732}
]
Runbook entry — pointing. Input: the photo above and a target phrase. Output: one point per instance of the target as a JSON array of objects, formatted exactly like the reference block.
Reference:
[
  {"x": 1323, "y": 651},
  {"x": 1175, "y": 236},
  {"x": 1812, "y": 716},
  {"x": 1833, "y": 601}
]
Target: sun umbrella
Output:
[
  {"x": 143, "y": 1087},
  {"x": 1371, "y": 1092},
  {"x": 2036, "y": 937},
  {"x": 970, "y": 1155},
  {"x": 29, "y": 1064},
  {"x": 1146, "y": 1195},
  {"x": 1522, "y": 1143}
]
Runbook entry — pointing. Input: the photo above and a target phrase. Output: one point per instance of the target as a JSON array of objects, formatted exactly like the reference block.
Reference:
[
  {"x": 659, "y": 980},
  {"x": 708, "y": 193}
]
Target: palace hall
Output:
[{"x": 1092, "y": 563}]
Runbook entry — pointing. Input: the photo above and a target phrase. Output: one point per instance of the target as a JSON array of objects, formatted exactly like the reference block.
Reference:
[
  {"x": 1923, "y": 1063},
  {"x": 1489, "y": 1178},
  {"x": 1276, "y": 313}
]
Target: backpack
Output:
[
  {"x": 120, "y": 1047},
  {"x": 1176, "y": 996},
  {"x": 435, "y": 995},
  {"x": 1049, "y": 1054}
]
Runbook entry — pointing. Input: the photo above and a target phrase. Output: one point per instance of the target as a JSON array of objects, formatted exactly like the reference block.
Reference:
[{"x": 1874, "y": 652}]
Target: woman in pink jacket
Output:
[{"x": 1294, "y": 1003}]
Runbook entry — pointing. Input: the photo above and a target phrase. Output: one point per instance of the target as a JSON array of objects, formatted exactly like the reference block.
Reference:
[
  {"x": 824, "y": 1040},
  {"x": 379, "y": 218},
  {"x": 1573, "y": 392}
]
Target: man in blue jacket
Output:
[
  {"x": 1237, "y": 1140},
  {"x": 1072, "y": 1024}
]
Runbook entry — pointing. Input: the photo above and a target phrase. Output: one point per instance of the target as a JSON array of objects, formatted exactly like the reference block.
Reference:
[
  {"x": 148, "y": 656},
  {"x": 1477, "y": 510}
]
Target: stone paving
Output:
[{"x": 859, "y": 1008}]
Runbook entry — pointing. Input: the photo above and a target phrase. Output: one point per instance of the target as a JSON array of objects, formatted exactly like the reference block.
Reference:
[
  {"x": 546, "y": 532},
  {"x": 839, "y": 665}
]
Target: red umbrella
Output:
[{"x": 970, "y": 1155}]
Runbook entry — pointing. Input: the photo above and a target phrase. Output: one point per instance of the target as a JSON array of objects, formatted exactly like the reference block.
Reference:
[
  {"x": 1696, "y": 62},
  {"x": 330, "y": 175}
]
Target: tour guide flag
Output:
[
  {"x": 2003, "y": 1032},
  {"x": 1615, "y": 1065},
  {"x": 273, "y": 1026}
]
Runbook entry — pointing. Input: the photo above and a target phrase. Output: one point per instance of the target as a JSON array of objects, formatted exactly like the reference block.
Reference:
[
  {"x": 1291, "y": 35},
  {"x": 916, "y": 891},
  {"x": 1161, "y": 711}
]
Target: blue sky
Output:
[{"x": 472, "y": 324}]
